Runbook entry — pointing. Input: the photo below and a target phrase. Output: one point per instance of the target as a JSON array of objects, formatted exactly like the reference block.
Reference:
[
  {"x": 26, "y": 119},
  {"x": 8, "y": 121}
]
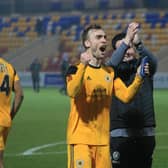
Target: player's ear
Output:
[{"x": 87, "y": 43}]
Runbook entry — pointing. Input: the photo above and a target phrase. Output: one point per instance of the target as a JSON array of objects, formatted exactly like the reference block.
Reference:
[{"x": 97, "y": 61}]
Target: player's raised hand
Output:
[
  {"x": 85, "y": 58},
  {"x": 132, "y": 29},
  {"x": 136, "y": 39}
]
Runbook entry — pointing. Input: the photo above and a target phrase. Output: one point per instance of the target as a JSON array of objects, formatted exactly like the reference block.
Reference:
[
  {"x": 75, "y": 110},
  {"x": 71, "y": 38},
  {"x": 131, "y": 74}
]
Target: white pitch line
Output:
[{"x": 35, "y": 150}]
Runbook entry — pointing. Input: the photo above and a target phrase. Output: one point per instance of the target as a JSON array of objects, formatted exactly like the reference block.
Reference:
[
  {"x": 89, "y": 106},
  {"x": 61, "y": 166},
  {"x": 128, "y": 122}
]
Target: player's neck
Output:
[{"x": 95, "y": 62}]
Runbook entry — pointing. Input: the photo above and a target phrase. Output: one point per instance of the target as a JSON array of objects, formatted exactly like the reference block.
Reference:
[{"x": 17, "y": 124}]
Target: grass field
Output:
[{"x": 37, "y": 138}]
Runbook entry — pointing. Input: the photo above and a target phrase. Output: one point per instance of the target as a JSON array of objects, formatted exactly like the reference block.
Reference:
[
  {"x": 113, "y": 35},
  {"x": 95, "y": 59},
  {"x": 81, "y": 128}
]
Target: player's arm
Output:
[
  {"x": 75, "y": 79},
  {"x": 126, "y": 94},
  {"x": 18, "y": 98}
]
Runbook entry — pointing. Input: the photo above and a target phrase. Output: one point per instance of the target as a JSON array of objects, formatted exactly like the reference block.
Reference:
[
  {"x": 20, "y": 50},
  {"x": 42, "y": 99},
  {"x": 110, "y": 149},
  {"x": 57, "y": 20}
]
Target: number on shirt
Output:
[{"x": 4, "y": 87}]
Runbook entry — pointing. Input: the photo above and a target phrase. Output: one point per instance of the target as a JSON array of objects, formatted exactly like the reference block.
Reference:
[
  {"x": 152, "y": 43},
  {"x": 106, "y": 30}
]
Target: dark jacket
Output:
[{"x": 139, "y": 112}]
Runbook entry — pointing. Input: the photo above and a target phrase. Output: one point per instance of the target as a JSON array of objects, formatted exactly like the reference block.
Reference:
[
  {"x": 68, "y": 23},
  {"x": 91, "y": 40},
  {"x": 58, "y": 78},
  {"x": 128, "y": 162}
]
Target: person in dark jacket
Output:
[
  {"x": 35, "y": 69},
  {"x": 132, "y": 131},
  {"x": 64, "y": 68}
]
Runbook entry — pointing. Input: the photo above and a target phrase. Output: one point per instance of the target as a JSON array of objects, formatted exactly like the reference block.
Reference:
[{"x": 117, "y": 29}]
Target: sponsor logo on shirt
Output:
[{"x": 89, "y": 78}]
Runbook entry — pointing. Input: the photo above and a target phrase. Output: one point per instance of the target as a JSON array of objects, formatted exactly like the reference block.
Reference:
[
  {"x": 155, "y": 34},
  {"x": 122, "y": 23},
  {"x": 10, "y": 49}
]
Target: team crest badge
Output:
[
  {"x": 108, "y": 78},
  {"x": 80, "y": 163},
  {"x": 116, "y": 155}
]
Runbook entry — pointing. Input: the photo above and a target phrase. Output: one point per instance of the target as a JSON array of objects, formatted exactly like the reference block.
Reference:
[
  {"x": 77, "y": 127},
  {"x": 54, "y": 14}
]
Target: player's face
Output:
[
  {"x": 130, "y": 52},
  {"x": 97, "y": 43}
]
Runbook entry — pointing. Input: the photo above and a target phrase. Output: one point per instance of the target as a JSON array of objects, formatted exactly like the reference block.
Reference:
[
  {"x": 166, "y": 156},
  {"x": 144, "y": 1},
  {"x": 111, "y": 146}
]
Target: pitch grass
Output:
[{"x": 42, "y": 120}]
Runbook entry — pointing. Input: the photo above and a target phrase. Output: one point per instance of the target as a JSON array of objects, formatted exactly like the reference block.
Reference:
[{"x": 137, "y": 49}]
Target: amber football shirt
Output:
[
  {"x": 91, "y": 90},
  {"x": 7, "y": 78}
]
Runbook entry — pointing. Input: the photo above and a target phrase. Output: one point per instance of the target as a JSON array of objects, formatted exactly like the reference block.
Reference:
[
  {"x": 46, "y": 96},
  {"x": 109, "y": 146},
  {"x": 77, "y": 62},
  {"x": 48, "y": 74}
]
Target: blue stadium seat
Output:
[
  {"x": 15, "y": 29},
  {"x": 103, "y": 4},
  {"x": 152, "y": 17},
  {"x": 27, "y": 29},
  {"x": 114, "y": 16},
  {"x": 67, "y": 21},
  {"x": 1, "y": 20},
  {"x": 78, "y": 33},
  {"x": 7, "y": 24},
  {"x": 28, "y": 19},
  {"x": 87, "y": 19},
  {"x": 14, "y": 19},
  {"x": 20, "y": 34},
  {"x": 105, "y": 16},
  {"x": 1, "y": 27},
  {"x": 79, "y": 4},
  {"x": 95, "y": 17},
  {"x": 56, "y": 6}
]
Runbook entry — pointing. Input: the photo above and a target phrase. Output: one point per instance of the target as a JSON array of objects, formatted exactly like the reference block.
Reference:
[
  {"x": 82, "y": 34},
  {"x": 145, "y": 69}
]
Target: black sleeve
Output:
[
  {"x": 71, "y": 70},
  {"x": 153, "y": 62}
]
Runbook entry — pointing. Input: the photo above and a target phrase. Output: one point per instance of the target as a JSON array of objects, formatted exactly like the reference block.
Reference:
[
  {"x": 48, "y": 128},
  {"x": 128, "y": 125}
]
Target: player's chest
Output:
[{"x": 98, "y": 81}]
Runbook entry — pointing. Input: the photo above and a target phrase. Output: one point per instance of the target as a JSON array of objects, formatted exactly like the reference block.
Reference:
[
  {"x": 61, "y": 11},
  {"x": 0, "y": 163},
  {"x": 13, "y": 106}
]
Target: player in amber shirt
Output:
[
  {"x": 9, "y": 81},
  {"x": 90, "y": 86}
]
